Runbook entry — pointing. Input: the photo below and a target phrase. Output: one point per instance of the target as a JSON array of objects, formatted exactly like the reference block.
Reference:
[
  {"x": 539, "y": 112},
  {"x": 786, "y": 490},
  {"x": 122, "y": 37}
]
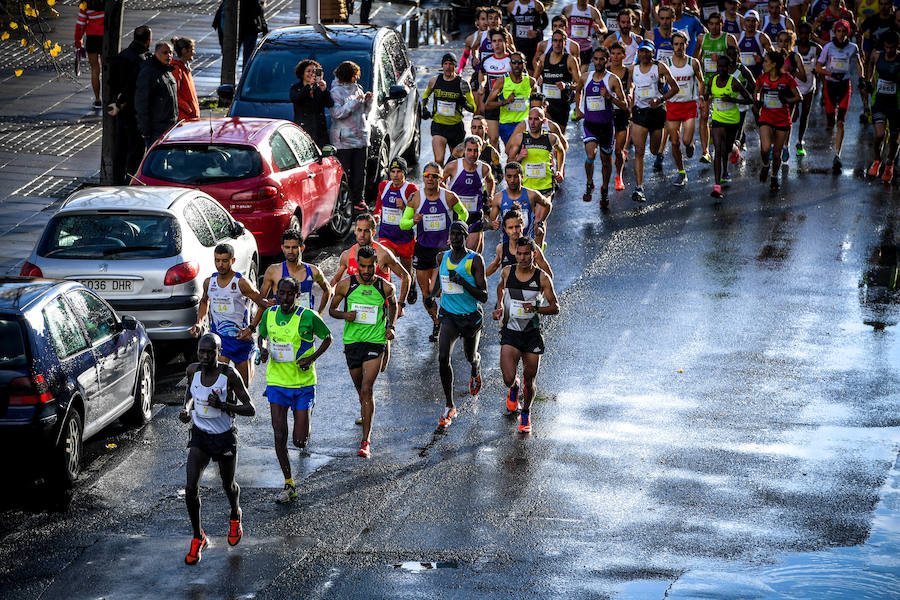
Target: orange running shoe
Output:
[
  {"x": 235, "y": 532},
  {"x": 620, "y": 185},
  {"x": 447, "y": 417},
  {"x": 874, "y": 169},
  {"x": 197, "y": 546},
  {"x": 888, "y": 175},
  {"x": 524, "y": 422},
  {"x": 475, "y": 384},
  {"x": 512, "y": 397},
  {"x": 365, "y": 450}
]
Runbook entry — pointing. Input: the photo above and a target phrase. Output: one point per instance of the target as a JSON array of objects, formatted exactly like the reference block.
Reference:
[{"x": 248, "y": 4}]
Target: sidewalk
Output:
[{"x": 50, "y": 137}]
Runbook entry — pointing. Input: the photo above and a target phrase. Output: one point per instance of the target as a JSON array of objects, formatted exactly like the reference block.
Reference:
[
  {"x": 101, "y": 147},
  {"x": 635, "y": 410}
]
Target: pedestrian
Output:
[
  {"x": 251, "y": 22},
  {"x": 350, "y": 129},
  {"x": 210, "y": 405},
  {"x": 287, "y": 334},
  {"x": 89, "y": 27},
  {"x": 123, "y": 72},
  {"x": 156, "y": 95},
  {"x": 310, "y": 98},
  {"x": 188, "y": 105}
]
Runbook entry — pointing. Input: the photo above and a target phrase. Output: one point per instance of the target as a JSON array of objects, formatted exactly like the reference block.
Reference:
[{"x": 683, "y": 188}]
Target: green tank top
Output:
[
  {"x": 538, "y": 165},
  {"x": 448, "y": 101},
  {"x": 710, "y": 47},
  {"x": 724, "y": 110},
  {"x": 286, "y": 345},
  {"x": 517, "y": 110},
  {"x": 368, "y": 302}
]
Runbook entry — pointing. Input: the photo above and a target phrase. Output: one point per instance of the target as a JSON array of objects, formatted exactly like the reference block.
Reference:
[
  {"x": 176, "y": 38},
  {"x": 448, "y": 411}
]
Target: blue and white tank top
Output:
[{"x": 229, "y": 310}]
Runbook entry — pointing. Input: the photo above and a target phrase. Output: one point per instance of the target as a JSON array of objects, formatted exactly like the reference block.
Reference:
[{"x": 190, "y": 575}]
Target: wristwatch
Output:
[
  {"x": 252, "y": 328},
  {"x": 401, "y": 304}
]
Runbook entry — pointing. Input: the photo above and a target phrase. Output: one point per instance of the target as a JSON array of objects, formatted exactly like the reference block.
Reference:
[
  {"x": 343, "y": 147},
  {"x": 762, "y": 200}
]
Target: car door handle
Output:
[{"x": 310, "y": 175}]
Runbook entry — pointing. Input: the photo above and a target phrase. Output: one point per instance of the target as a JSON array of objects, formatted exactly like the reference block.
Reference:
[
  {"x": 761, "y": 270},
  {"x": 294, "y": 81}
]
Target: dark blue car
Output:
[{"x": 69, "y": 366}]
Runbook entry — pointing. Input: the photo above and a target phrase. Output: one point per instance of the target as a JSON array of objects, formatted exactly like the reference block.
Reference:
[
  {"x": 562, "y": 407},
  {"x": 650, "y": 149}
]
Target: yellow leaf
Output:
[
  {"x": 36, "y": 12},
  {"x": 55, "y": 51},
  {"x": 31, "y": 49},
  {"x": 83, "y": 5},
  {"x": 4, "y": 35},
  {"x": 51, "y": 2},
  {"x": 27, "y": 6},
  {"x": 18, "y": 72},
  {"x": 47, "y": 44},
  {"x": 13, "y": 25},
  {"x": 24, "y": 43},
  {"x": 25, "y": 27}
]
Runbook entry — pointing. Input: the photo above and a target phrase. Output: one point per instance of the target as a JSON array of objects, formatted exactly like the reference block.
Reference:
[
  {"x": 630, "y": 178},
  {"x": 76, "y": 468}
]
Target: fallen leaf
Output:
[
  {"x": 13, "y": 25},
  {"x": 24, "y": 42},
  {"x": 4, "y": 35},
  {"x": 681, "y": 370},
  {"x": 111, "y": 446},
  {"x": 18, "y": 72},
  {"x": 51, "y": 2}
]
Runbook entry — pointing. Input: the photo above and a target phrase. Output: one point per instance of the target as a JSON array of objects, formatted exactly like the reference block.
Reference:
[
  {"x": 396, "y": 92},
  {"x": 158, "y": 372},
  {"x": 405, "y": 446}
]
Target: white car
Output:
[{"x": 145, "y": 250}]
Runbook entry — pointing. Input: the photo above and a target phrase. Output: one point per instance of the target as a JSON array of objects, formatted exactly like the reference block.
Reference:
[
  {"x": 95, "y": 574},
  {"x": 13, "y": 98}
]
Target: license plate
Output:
[{"x": 109, "y": 286}]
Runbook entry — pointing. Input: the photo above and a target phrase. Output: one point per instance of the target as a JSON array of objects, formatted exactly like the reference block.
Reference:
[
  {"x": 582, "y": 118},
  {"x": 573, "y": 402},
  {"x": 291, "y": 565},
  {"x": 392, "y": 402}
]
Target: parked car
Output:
[
  {"x": 69, "y": 366},
  {"x": 386, "y": 70},
  {"x": 146, "y": 250},
  {"x": 268, "y": 173}
]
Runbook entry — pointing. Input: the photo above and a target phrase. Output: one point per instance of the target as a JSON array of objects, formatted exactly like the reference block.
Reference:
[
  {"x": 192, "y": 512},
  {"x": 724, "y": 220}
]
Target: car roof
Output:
[
  {"x": 17, "y": 293},
  {"x": 130, "y": 197},
  {"x": 339, "y": 37},
  {"x": 233, "y": 130}
]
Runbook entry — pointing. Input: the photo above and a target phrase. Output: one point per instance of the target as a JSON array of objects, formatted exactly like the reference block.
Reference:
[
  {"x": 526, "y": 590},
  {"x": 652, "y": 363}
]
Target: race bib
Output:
[
  {"x": 366, "y": 314},
  {"x": 595, "y": 103},
  {"x": 722, "y": 105},
  {"x": 203, "y": 410},
  {"x": 535, "y": 170},
  {"x": 446, "y": 109},
  {"x": 282, "y": 353},
  {"x": 612, "y": 24},
  {"x": 391, "y": 216},
  {"x": 710, "y": 65},
  {"x": 579, "y": 31},
  {"x": 664, "y": 53},
  {"x": 434, "y": 222},
  {"x": 517, "y": 309},
  {"x": 448, "y": 287},
  {"x": 470, "y": 202},
  {"x": 708, "y": 10},
  {"x": 645, "y": 91},
  {"x": 222, "y": 305},
  {"x": 551, "y": 91},
  {"x": 748, "y": 59},
  {"x": 886, "y": 87},
  {"x": 772, "y": 100},
  {"x": 518, "y": 105},
  {"x": 684, "y": 92},
  {"x": 840, "y": 65}
]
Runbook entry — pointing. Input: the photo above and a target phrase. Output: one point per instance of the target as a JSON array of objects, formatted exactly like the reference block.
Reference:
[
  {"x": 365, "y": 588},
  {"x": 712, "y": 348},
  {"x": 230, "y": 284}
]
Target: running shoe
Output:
[
  {"x": 365, "y": 450},
  {"x": 620, "y": 185},
  {"x": 865, "y": 117},
  {"x": 475, "y": 383},
  {"x": 888, "y": 175},
  {"x": 837, "y": 165},
  {"x": 512, "y": 397},
  {"x": 587, "y": 195},
  {"x": 435, "y": 333},
  {"x": 734, "y": 156},
  {"x": 235, "y": 532},
  {"x": 524, "y": 422},
  {"x": 97, "y": 105},
  {"x": 874, "y": 169},
  {"x": 413, "y": 294},
  {"x": 773, "y": 185},
  {"x": 638, "y": 195},
  {"x": 800, "y": 149},
  {"x": 604, "y": 198},
  {"x": 197, "y": 545},
  {"x": 706, "y": 158},
  {"x": 288, "y": 494},
  {"x": 361, "y": 207},
  {"x": 726, "y": 179},
  {"x": 717, "y": 191},
  {"x": 785, "y": 155},
  {"x": 682, "y": 179},
  {"x": 689, "y": 150},
  {"x": 446, "y": 419},
  {"x": 764, "y": 173},
  {"x": 359, "y": 421},
  {"x": 658, "y": 163}
]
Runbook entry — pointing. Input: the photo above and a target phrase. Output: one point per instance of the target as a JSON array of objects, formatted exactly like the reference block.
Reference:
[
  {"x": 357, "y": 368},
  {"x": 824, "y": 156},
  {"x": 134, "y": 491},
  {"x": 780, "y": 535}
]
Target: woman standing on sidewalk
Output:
[
  {"x": 89, "y": 26},
  {"x": 188, "y": 105}
]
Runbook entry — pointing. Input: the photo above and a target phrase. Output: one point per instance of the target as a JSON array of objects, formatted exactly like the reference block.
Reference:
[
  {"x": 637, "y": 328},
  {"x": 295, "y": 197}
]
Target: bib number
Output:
[
  {"x": 710, "y": 65},
  {"x": 282, "y": 353},
  {"x": 551, "y": 91},
  {"x": 518, "y": 105},
  {"x": 222, "y": 305},
  {"x": 535, "y": 170},
  {"x": 840, "y": 65},
  {"x": 203, "y": 410},
  {"x": 470, "y": 202},
  {"x": 579, "y": 31},
  {"x": 434, "y": 222},
  {"x": 446, "y": 109},
  {"x": 517, "y": 309},
  {"x": 886, "y": 87},
  {"x": 708, "y": 10},
  {"x": 722, "y": 105},
  {"x": 448, "y": 287},
  {"x": 664, "y": 53},
  {"x": 772, "y": 100},
  {"x": 748, "y": 59},
  {"x": 391, "y": 216},
  {"x": 612, "y": 24},
  {"x": 645, "y": 91},
  {"x": 366, "y": 314},
  {"x": 596, "y": 103}
]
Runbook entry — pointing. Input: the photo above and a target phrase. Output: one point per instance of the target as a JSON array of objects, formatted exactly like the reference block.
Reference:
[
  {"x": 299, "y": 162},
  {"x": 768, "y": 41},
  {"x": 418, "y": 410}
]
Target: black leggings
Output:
[
  {"x": 197, "y": 462},
  {"x": 353, "y": 161},
  {"x": 446, "y": 342}
]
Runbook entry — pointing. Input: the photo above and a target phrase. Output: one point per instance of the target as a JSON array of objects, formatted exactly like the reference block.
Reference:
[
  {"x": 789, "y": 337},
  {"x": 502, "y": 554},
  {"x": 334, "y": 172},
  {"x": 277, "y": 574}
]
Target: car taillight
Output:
[
  {"x": 29, "y": 390},
  {"x": 181, "y": 273},
  {"x": 30, "y": 270},
  {"x": 267, "y": 192}
]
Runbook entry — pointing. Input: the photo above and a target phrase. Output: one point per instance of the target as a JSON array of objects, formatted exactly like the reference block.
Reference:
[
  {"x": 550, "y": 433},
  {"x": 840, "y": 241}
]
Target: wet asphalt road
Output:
[{"x": 719, "y": 391}]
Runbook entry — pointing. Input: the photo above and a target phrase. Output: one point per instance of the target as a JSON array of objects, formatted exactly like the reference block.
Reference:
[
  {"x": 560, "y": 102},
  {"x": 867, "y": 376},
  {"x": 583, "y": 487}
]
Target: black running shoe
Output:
[
  {"x": 413, "y": 294},
  {"x": 764, "y": 173}
]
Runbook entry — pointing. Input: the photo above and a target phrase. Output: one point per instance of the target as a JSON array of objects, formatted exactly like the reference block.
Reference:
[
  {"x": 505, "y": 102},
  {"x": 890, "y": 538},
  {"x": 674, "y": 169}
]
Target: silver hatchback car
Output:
[{"x": 145, "y": 250}]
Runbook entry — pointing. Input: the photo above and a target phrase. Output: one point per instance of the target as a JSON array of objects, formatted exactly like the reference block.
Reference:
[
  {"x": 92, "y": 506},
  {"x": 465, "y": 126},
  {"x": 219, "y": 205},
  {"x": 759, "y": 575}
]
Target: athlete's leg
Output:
[
  {"x": 765, "y": 144},
  {"x": 605, "y": 169},
  {"x": 805, "y": 107},
  {"x": 438, "y": 146},
  {"x": 302, "y": 426},
  {"x": 370, "y": 370},
  {"x": 704, "y": 126},
  {"x": 196, "y": 463},
  {"x": 475, "y": 241},
  {"x": 424, "y": 277},
  {"x": 227, "y": 467},
  {"x": 446, "y": 343},
  {"x": 470, "y": 349},
  {"x": 658, "y": 139},
  {"x": 386, "y": 357},
  {"x": 530, "y": 364},
  {"x": 779, "y": 140},
  {"x": 687, "y": 131},
  {"x": 280, "y": 433},
  {"x": 621, "y": 137},
  {"x": 721, "y": 149},
  {"x": 245, "y": 370},
  {"x": 878, "y": 142},
  {"x": 673, "y": 132},
  {"x": 839, "y": 131},
  {"x": 493, "y": 128},
  {"x": 509, "y": 364},
  {"x": 639, "y": 137},
  {"x": 590, "y": 150}
]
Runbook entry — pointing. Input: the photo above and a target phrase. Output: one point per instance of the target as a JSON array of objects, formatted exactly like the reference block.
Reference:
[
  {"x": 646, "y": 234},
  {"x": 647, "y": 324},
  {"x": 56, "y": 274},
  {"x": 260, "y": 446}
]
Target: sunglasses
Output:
[
  {"x": 431, "y": 176},
  {"x": 517, "y": 62}
]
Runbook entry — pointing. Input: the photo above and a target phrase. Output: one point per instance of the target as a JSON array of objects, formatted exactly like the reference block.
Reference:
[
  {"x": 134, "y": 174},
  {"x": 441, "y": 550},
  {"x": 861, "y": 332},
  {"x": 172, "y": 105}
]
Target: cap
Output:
[
  {"x": 842, "y": 23},
  {"x": 449, "y": 56},
  {"x": 647, "y": 45},
  {"x": 751, "y": 14},
  {"x": 399, "y": 163},
  {"x": 460, "y": 226}
]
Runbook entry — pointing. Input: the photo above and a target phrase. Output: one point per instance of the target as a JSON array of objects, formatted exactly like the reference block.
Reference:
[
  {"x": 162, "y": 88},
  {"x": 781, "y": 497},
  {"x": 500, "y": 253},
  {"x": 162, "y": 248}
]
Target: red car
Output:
[{"x": 267, "y": 173}]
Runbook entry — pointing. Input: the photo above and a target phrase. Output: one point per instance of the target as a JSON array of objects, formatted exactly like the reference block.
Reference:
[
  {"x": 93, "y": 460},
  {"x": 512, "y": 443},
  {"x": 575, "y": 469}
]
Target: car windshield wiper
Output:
[{"x": 109, "y": 251}]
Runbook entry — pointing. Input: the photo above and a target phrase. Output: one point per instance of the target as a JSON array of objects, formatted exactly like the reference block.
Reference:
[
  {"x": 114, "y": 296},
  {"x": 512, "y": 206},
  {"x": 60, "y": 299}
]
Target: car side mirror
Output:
[
  {"x": 129, "y": 322},
  {"x": 237, "y": 229},
  {"x": 225, "y": 94},
  {"x": 114, "y": 324},
  {"x": 397, "y": 92},
  {"x": 329, "y": 150}
]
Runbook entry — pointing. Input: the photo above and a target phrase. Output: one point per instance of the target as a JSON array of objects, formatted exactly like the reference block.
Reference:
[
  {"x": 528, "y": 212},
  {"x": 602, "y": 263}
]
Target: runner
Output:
[
  {"x": 621, "y": 116},
  {"x": 709, "y": 48},
  {"x": 538, "y": 100},
  {"x": 534, "y": 207},
  {"x": 648, "y": 115},
  {"x": 523, "y": 294},
  {"x": 389, "y": 207},
  {"x": 809, "y": 53},
  {"x": 430, "y": 211},
  {"x": 476, "y": 42},
  {"x": 472, "y": 181},
  {"x": 210, "y": 405},
  {"x": 528, "y": 19},
  {"x": 495, "y": 68},
  {"x": 681, "y": 110},
  {"x": 883, "y": 77},
  {"x": 489, "y": 154},
  {"x": 834, "y": 64},
  {"x": 513, "y": 227},
  {"x": 370, "y": 312},
  {"x": 462, "y": 288},
  {"x": 775, "y": 21},
  {"x": 599, "y": 92},
  {"x": 557, "y": 73},
  {"x": 752, "y": 44},
  {"x": 583, "y": 21},
  {"x": 624, "y": 36},
  {"x": 226, "y": 296},
  {"x": 723, "y": 93},
  {"x": 451, "y": 95},
  {"x": 775, "y": 91},
  {"x": 510, "y": 95},
  {"x": 687, "y": 23},
  {"x": 288, "y": 335},
  {"x": 662, "y": 35},
  {"x": 731, "y": 19},
  {"x": 793, "y": 65},
  {"x": 557, "y": 23},
  {"x": 824, "y": 23},
  {"x": 535, "y": 149}
]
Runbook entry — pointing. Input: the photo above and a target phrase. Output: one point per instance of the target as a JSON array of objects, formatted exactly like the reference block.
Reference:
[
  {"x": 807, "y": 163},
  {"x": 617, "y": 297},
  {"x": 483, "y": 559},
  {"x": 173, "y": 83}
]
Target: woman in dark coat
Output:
[{"x": 310, "y": 100}]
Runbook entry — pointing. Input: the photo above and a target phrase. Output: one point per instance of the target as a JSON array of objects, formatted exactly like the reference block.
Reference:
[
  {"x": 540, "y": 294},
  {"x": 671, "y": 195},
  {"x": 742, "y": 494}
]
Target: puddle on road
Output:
[
  {"x": 878, "y": 289},
  {"x": 418, "y": 567},
  {"x": 258, "y": 468}
]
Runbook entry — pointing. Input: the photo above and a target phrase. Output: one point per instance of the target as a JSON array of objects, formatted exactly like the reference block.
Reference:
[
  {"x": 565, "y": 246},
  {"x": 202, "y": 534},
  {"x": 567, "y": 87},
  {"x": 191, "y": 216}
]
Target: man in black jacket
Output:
[
  {"x": 129, "y": 144},
  {"x": 251, "y": 22},
  {"x": 156, "y": 94}
]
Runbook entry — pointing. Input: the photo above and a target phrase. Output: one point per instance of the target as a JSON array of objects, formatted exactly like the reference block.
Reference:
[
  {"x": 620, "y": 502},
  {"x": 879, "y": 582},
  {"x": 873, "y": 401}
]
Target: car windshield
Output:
[
  {"x": 12, "y": 345},
  {"x": 123, "y": 236},
  {"x": 198, "y": 164},
  {"x": 271, "y": 73}
]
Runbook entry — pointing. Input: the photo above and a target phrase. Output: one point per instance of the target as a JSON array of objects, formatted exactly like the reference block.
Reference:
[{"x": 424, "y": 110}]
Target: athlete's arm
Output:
[
  {"x": 466, "y": 52},
  {"x": 494, "y": 222},
  {"x": 267, "y": 286},
  {"x": 552, "y": 306},
  {"x": 870, "y": 68},
  {"x": 340, "y": 291},
  {"x": 560, "y": 157},
  {"x": 492, "y": 103},
  {"x": 202, "y": 309},
  {"x": 466, "y": 90},
  {"x": 239, "y": 390},
  {"x": 410, "y": 217},
  {"x": 765, "y": 41},
  {"x": 514, "y": 145},
  {"x": 599, "y": 25},
  {"x": 436, "y": 288},
  {"x": 488, "y": 177},
  {"x": 342, "y": 268},
  {"x": 392, "y": 311},
  {"x": 327, "y": 290},
  {"x": 800, "y": 69},
  {"x": 698, "y": 74},
  {"x": 698, "y": 49},
  {"x": 730, "y": 41},
  {"x": 459, "y": 151},
  {"x": 859, "y": 63},
  {"x": 618, "y": 96},
  {"x": 248, "y": 290},
  {"x": 457, "y": 206},
  {"x": 579, "y": 90},
  {"x": 541, "y": 261},
  {"x": 495, "y": 264},
  {"x": 537, "y": 63},
  {"x": 428, "y": 89},
  {"x": 185, "y": 414},
  {"x": 542, "y": 205},
  {"x": 789, "y": 24},
  {"x": 449, "y": 171},
  {"x": 673, "y": 85},
  {"x": 498, "y": 308},
  {"x": 400, "y": 271},
  {"x": 479, "y": 290},
  {"x": 554, "y": 128}
]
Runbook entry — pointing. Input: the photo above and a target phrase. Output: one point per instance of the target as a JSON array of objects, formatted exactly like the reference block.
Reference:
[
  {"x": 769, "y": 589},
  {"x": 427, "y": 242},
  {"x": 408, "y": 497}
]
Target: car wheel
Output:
[
  {"x": 415, "y": 147},
  {"x": 342, "y": 216},
  {"x": 66, "y": 459},
  {"x": 139, "y": 413}
]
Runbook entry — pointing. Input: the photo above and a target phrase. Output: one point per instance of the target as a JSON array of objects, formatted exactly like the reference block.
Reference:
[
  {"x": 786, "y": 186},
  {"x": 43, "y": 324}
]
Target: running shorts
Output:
[
  {"x": 215, "y": 445},
  {"x": 358, "y": 353},
  {"x": 400, "y": 250},
  {"x": 558, "y": 112},
  {"x": 235, "y": 350},
  {"x": 775, "y": 127},
  {"x": 454, "y": 134},
  {"x": 603, "y": 134},
  {"x": 886, "y": 112},
  {"x": 681, "y": 111},
  {"x": 302, "y": 398},
  {"x": 620, "y": 120},
  {"x": 93, "y": 44},
  {"x": 837, "y": 95},
  {"x": 425, "y": 258},
  {"x": 466, "y": 325},
  {"x": 475, "y": 222},
  {"x": 490, "y": 114},
  {"x": 651, "y": 119},
  {"x": 529, "y": 341},
  {"x": 506, "y": 131}
]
